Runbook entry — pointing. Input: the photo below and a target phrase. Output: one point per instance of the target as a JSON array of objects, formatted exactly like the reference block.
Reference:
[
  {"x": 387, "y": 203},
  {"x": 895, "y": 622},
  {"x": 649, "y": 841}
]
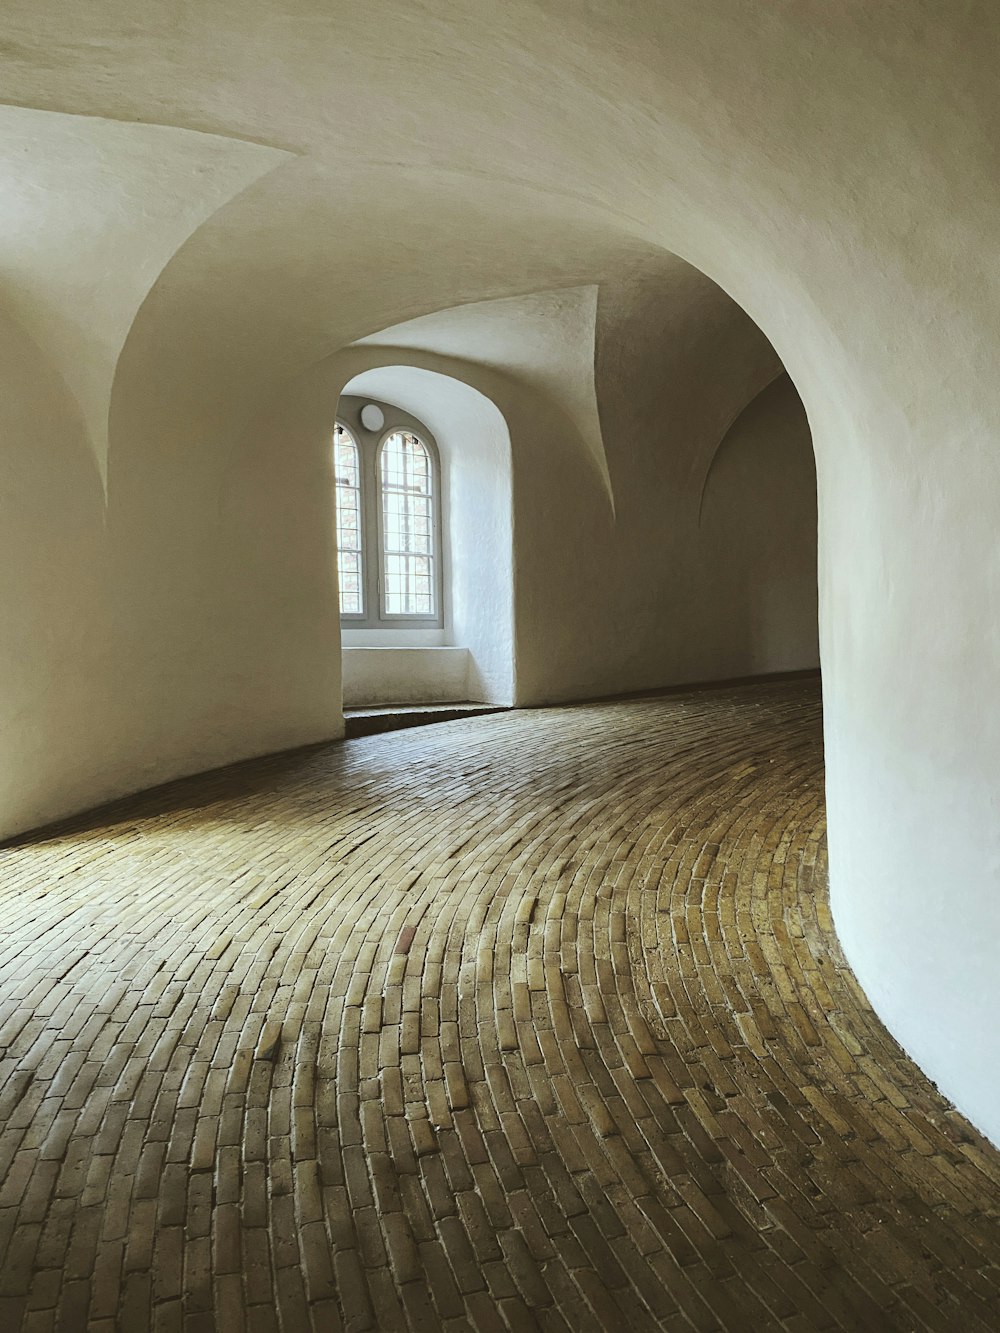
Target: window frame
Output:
[
  {"x": 370, "y": 445},
  {"x": 414, "y": 618},
  {"x": 355, "y": 618}
]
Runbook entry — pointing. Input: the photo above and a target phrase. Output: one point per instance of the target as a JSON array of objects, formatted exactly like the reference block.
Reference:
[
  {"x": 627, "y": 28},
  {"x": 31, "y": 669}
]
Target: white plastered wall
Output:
[
  {"x": 381, "y": 675},
  {"x": 92, "y": 209},
  {"x": 757, "y": 585}
]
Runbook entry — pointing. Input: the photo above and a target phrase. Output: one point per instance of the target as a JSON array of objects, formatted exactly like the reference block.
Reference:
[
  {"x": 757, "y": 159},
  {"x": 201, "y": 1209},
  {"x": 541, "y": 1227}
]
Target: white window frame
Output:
[
  {"x": 370, "y": 445},
  {"x": 355, "y": 617},
  {"x": 410, "y": 617}
]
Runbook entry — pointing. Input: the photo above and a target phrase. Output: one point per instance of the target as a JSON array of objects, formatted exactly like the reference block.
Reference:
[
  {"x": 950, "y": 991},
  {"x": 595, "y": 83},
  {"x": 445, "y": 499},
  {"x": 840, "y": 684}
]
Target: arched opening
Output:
[{"x": 432, "y": 619}]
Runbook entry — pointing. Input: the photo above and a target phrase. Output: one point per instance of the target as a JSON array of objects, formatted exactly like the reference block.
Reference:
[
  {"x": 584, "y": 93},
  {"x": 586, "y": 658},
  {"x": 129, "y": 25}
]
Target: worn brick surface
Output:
[{"x": 533, "y": 1021}]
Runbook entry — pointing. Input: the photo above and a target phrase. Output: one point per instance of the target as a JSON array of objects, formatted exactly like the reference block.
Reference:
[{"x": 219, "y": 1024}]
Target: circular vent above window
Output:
[{"x": 372, "y": 417}]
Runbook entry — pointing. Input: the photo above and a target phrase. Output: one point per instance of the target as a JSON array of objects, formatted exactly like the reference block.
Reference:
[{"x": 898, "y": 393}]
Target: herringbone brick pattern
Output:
[{"x": 532, "y": 1021}]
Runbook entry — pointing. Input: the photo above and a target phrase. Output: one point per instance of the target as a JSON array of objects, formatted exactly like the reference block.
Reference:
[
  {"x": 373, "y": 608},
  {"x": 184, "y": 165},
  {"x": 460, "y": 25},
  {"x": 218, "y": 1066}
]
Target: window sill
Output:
[
  {"x": 394, "y": 636},
  {"x": 404, "y": 674}
]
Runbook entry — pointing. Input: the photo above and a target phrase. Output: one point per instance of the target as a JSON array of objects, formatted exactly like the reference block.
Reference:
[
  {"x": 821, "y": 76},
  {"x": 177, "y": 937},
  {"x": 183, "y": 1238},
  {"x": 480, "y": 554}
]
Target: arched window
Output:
[
  {"x": 388, "y": 519},
  {"x": 406, "y": 484},
  {"x": 350, "y": 546}
]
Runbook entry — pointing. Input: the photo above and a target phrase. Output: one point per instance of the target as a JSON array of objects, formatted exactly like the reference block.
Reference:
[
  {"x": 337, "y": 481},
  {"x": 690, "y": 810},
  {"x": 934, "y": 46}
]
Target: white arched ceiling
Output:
[
  {"x": 832, "y": 168},
  {"x": 544, "y": 341},
  {"x": 676, "y": 360},
  {"x": 91, "y": 211}
]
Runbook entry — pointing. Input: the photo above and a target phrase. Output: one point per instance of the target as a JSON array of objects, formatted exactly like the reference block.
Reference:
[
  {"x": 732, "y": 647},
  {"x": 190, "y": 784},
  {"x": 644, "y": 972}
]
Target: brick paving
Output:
[{"x": 532, "y": 1021}]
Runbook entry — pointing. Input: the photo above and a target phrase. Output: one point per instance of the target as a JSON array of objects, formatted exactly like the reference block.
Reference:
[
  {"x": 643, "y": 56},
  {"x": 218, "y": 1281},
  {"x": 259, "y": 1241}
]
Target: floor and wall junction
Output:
[{"x": 527, "y": 1021}]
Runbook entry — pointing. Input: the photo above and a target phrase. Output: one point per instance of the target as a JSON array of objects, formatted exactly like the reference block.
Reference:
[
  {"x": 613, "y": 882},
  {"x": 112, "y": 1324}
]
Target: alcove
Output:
[{"x": 468, "y": 655}]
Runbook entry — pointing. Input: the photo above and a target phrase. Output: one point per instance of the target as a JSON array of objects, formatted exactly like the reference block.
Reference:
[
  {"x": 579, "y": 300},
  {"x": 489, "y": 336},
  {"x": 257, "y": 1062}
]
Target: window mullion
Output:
[{"x": 373, "y": 543}]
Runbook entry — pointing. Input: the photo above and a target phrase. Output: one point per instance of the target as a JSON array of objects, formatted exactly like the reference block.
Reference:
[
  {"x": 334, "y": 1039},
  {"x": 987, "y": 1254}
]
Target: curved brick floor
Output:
[{"x": 534, "y": 1021}]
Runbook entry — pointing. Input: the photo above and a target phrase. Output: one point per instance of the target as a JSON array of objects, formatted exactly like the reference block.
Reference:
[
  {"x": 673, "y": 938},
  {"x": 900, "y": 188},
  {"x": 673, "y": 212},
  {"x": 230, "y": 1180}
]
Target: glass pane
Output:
[
  {"x": 347, "y": 470},
  {"x": 407, "y": 526}
]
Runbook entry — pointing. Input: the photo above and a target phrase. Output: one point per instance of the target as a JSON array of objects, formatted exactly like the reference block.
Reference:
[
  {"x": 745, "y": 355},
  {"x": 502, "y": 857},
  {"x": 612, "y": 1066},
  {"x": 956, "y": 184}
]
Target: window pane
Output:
[
  {"x": 407, "y": 526},
  {"x": 347, "y": 470}
]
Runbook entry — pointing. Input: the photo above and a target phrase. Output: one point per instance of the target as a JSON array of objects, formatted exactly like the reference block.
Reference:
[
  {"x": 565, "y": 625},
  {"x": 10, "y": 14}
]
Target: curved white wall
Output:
[
  {"x": 57, "y": 646},
  {"x": 758, "y": 532}
]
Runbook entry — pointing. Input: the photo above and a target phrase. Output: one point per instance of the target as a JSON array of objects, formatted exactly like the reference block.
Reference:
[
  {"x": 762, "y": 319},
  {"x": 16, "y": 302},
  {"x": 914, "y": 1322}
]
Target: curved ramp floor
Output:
[{"x": 534, "y": 1021}]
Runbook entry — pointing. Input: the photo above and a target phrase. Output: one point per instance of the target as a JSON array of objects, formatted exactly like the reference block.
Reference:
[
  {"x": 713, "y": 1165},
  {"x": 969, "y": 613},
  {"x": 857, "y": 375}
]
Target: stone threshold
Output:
[{"x": 394, "y": 717}]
